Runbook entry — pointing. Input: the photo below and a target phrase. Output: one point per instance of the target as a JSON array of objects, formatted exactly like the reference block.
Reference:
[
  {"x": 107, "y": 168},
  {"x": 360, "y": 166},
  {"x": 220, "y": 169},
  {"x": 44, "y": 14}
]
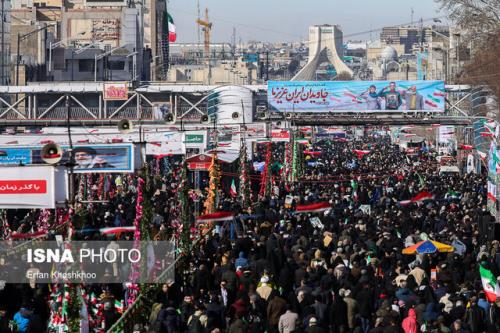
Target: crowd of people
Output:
[
  {"x": 337, "y": 270},
  {"x": 283, "y": 273}
]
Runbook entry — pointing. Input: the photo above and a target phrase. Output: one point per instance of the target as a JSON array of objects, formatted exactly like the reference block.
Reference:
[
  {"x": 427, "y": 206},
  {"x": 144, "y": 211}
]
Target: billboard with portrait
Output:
[
  {"x": 356, "y": 96},
  {"x": 116, "y": 158}
]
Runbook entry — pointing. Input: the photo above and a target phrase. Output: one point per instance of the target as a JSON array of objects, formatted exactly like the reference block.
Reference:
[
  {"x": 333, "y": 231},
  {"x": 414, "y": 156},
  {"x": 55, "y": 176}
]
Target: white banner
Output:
[
  {"x": 169, "y": 143},
  {"x": 446, "y": 134},
  {"x": 27, "y": 187},
  {"x": 470, "y": 163}
]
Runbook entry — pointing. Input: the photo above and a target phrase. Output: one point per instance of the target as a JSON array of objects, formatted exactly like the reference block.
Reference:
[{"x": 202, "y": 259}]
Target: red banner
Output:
[
  {"x": 199, "y": 166},
  {"x": 280, "y": 135},
  {"x": 115, "y": 91},
  {"x": 23, "y": 186}
]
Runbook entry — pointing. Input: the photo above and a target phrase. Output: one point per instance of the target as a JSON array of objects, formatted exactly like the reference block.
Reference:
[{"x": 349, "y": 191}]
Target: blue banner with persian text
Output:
[{"x": 356, "y": 96}]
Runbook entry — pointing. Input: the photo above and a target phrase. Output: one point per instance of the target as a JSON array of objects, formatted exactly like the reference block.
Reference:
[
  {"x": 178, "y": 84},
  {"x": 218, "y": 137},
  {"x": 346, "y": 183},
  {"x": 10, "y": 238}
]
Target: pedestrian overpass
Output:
[{"x": 86, "y": 103}]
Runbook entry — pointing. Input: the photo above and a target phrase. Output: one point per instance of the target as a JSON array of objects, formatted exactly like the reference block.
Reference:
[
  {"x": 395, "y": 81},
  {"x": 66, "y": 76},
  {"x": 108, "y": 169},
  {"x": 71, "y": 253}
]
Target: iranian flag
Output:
[
  {"x": 116, "y": 230},
  {"x": 422, "y": 196},
  {"x": 172, "y": 35},
  {"x": 302, "y": 141},
  {"x": 360, "y": 153},
  {"x": 465, "y": 147},
  {"x": 215, "y": 217},
  {"x": 492, "y": 191},
  {"x": 490, "y": 284},
  {"x": 119, "y": 306},
  {"x": 491, "y": 127},
  {"x": 487, "y": 134},
  {"x": 232, "y": 190},
  {"x": 354, "y": 187},
  {"x": 482, "y": 155},
  {"x": 313, "y": 208}
]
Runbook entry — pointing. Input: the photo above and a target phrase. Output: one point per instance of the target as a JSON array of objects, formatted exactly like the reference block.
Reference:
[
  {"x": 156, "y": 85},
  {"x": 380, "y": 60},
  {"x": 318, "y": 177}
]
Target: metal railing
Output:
[{"x": 90, "y": 113}]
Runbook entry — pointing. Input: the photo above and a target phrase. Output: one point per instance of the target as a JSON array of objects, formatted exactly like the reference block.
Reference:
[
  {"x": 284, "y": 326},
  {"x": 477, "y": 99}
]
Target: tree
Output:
[
  {"x": 483, "y": 70},
  {"x": 479, "y": 21},
  {"x": 480, "y": 18}
]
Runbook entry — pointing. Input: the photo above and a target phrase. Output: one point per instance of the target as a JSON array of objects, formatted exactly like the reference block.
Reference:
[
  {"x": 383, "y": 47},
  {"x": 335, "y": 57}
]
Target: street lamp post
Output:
[{"x": 446, "y": 52}]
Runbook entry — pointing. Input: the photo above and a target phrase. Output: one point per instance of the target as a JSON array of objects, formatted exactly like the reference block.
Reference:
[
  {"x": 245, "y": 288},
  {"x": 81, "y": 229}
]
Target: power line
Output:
[{"x": 216, "y": 19}]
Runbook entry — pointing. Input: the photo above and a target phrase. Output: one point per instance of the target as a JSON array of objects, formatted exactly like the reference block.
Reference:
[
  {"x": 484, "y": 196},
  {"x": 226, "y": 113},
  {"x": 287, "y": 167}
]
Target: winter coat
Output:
[
  {"x": 241, "y": 261},
  {"x": 475, "y": 318},
  {"x": 352, "y": 310},
  {"x": 409, "y": 324}
]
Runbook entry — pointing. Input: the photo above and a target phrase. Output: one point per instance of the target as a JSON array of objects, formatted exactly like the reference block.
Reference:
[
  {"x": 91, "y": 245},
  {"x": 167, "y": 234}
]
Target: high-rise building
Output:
[
  {"x": 407, "y": 36},
  {"x": 5, "y": 43}
]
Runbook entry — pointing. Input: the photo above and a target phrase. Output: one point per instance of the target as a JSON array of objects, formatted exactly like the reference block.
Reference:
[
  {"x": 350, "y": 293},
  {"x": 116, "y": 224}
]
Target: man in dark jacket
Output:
[
  {"x": 337, "y": 314},
  {"x": 365, "y": 299},
  {"x": 474, "y": 316},
  {"x": 170, "y": 320}
]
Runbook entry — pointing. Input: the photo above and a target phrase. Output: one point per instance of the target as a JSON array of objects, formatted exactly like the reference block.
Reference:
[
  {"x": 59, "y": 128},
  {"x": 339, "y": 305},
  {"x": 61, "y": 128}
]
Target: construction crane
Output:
[{"x": 207, "y": 29}]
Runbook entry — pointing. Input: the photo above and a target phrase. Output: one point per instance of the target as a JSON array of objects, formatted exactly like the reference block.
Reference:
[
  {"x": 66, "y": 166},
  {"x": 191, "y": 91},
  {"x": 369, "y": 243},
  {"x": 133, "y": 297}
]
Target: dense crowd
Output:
[
  {"x": 281, "y": 271},
  {"x": 286, "y": 274}
]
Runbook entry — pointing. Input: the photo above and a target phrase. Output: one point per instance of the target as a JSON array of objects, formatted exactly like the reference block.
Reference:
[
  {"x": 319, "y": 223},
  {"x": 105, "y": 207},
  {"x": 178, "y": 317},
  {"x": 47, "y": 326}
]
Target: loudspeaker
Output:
[
  {"x": 125, "y": 126},
  {"x": 205, "y": 119},
  {"x": 235, "y": 115},
  {"x": 261, "y": 112},
  {"x": 170, "y": 118},
  {"x": 51, "y": 153}
]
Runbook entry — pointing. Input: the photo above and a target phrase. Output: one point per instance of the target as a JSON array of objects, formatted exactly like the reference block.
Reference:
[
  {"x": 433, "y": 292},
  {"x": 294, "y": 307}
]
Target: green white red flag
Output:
[
  {"x": 172, "y": 34},
  {"x": 232, "y": 190},
  {"x": 492, "y": 191},
  {"x": 490, "y": 284}
]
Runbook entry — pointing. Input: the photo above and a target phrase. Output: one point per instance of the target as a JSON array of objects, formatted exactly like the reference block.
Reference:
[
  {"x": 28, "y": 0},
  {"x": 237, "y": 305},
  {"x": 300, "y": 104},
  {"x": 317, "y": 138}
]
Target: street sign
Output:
[{"x": 194, "y": 138}]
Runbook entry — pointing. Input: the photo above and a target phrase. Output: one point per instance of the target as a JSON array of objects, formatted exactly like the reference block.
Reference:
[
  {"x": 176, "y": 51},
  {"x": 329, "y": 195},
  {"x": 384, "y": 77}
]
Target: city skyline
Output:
[{"x": 253, "y": 21}]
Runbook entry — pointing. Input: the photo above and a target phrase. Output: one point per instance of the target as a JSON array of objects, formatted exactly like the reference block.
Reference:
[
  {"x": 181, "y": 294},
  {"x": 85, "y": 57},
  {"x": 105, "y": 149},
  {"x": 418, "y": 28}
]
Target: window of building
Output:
[
  {"x": 116, "y": 65},
  {"x": 86, "y": 65}
]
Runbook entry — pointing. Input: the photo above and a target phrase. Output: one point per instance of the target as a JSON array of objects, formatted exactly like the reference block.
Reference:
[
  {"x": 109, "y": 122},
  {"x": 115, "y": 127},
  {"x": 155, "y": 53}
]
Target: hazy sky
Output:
[{"x": 288, "y": 20}]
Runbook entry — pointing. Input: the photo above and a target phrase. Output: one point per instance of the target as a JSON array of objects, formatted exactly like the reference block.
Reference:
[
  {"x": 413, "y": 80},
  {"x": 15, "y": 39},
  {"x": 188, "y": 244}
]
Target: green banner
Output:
[{"x": 194, "y": 138}]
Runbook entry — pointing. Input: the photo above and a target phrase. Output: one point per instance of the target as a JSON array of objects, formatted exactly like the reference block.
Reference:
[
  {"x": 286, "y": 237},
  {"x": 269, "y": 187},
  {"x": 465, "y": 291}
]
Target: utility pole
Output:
[
  {"x": 267, "y": 65},
  {"x": 199, "y": 18},
  {"x": 233, "y": 42},
  {"x": 18, "y": 57},
  {"x": 166, "y": 42}
]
